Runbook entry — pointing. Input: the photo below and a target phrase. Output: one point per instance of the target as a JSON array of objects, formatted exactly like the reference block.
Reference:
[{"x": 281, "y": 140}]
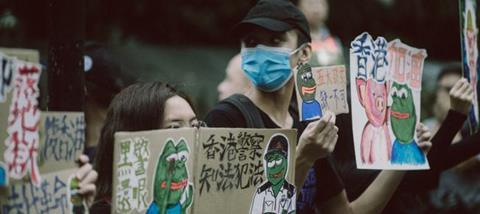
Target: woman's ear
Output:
[{"x": 305, "y": 53}]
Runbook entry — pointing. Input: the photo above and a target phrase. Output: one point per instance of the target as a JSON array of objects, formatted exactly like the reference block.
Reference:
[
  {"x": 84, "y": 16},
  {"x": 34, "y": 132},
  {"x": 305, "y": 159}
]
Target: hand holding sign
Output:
[
  {"x": 319, "y": 138},
  {"x": 461, "y": 96},
  {"x": 424, "y": 135}
]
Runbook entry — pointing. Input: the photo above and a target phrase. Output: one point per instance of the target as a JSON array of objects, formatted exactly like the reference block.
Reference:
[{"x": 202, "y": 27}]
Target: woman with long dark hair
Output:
[{"x": 139, "y": 107}]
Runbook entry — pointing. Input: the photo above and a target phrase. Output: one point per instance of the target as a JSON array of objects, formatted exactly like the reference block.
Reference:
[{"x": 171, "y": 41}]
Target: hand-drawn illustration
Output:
[
  {"x": 388, "y": 85},
  {"x": 23, "y": 122},
  {"x": 276, "y": 194},
  {"x": 173, "y": 193},
  {"x": 319, "y": 89},
  {"x": 77, "y": 202},
  {"x": 372, "y": 94},
  {"x": 307, "y": 87},
  {"x": 470, "y": 57},
  {"x": 406, "y": 74},
  {"x": 403, "y": 119}
]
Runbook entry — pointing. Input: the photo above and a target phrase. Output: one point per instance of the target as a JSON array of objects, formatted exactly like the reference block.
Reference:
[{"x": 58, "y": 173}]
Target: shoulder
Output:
[
  {"x": 263, "y": 187},
  {"x": 290, "y": 189},
  {"x": 224, "y": 115}
]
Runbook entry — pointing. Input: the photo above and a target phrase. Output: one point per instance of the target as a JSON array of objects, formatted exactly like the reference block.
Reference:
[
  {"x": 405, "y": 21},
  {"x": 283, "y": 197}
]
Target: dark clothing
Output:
[
  {"x": 321, "y": 176},
  {"x": 101, "y": 206},
  {"x": 409, "y": 197}
]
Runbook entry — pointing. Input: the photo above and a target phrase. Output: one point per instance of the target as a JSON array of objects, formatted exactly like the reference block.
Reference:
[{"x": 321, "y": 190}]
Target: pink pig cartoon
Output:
[{"x": 373, "y": 97}]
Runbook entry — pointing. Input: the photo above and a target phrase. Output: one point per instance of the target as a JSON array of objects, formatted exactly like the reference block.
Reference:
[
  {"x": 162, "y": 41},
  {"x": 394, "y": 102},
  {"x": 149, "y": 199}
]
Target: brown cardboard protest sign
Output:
[
  {"x": 37, "y": 149},
  {"x": 206, "y": 170},
  {"x": 62, "y": 138},
  {"x": 320, "y": 89}
]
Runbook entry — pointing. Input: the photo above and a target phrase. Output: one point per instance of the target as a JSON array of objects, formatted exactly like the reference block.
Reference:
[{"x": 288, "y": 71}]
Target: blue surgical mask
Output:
[{"x": 267, "y": 67}]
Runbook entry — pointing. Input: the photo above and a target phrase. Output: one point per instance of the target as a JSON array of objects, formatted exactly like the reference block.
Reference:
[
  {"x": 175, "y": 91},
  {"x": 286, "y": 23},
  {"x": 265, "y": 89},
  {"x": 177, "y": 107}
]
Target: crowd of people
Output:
[{"x": 276, "y": 36}]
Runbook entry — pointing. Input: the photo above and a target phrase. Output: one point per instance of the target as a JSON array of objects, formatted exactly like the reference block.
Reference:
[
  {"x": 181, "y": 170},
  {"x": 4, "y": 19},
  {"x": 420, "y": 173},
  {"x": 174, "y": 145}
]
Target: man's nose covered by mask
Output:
[{"x": 268, "y": 68}]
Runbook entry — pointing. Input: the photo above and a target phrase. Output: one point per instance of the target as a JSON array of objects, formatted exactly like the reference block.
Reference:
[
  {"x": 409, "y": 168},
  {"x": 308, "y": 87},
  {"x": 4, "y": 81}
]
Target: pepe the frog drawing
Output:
[
  {"x": 275, "y": 195},
  {"x": 403, "y": 120},
  {"x": 172, "y": 192},
  {"x": 307, "y": 88}
]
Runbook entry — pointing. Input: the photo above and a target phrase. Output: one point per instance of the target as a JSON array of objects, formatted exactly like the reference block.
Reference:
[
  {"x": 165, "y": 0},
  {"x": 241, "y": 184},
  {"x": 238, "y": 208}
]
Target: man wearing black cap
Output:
[
  {"x": 275, "y": 39},
  {"x": 275, "y": 195}
]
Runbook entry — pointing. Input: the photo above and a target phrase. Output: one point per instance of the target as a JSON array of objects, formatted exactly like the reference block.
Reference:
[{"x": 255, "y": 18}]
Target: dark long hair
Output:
[{"x": 136, "y": 108}]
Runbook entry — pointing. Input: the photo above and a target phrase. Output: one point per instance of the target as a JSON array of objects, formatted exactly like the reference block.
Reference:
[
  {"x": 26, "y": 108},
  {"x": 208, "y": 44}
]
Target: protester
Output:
[
  {"x": 235, "y": 81},
  {"x": 275, "y": 39},
  {"x": 326, "y": 48},
  {"x": 142, "y": 106},
  {"x": 411, "y": 192},
  {"x": 447, "y": 78},
  {"x": 103, "y": 79}
]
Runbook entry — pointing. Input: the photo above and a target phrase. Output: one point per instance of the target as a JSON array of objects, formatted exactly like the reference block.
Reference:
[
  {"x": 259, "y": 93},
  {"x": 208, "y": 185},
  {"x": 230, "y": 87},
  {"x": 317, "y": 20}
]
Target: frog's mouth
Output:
[
  {"x": 175, "y": 185},
  {"x": 400, "y": 115},
  {"x": 308, "y": 90},
  {"x": 277, "y": 175}
]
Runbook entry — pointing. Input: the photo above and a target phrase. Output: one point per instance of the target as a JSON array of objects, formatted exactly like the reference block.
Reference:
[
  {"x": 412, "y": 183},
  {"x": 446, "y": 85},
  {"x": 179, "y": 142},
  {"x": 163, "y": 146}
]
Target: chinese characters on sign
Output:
[
  {"x": 386, "y": 83},
  {"x": 23, "y": 122},
  {"x": 233, "y": 162},
  {"x": 51, "y": 196},
  {"x": 64, "y": 137},
  {"x": 131, "y": 191}
]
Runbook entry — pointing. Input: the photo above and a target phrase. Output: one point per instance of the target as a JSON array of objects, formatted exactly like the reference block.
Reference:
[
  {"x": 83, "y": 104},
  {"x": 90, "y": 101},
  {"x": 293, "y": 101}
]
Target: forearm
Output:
[
  {"x": 302, "y": 165},
  {"x": 444, "y": 136},
  {"x": 378, "y": 194},
  {"x": 461, "y": 151}
]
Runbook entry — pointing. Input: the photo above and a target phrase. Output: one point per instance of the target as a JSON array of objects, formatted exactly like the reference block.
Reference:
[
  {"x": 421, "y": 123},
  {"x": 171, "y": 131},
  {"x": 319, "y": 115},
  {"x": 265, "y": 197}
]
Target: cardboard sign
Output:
[
  {"x": 319, "y": 89},
  {"x": 470, "y": 57},
  {"x": 19, "y": 117},
  {"x": 386, "y": 86},
  {"x": 38, "y": 149},
  {"x": 207, "y": 170},
  {"x": 56, "y": 194}
]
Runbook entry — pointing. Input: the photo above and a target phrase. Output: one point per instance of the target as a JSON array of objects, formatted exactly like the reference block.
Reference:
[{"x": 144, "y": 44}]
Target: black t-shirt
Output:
[
  {"x": 411, "y": 193},
  {"x": 322, "y": 180}
]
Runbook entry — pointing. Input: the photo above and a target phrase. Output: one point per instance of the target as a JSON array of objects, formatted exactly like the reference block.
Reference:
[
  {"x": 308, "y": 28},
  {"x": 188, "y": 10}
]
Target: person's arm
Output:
[
  {"x": 461, "y": 96},
  {"x": 378, "y": 194}
]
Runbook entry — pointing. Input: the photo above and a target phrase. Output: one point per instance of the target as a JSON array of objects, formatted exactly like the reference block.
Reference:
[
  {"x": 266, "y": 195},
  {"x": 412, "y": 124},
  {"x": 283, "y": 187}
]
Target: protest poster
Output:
[
  {"x": 470, "y": 59},
  {"x": 19, "y": 115},
  {"x": 38, "y": 149},
  {"x": 386, "y": 86},
  {"x": 206, "y": 170},
  {"x": 320, "y": 89},
  {"x": 56, "y": 194}
]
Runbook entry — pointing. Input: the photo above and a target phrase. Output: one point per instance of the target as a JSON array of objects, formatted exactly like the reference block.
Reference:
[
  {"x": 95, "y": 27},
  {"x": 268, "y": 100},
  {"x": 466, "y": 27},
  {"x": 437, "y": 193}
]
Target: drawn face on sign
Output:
[
  {"x": 373, "y": 97},
  {"x": 306, "y": 84},
  {"x": 403, "y": 116},
  {"x": 276, "y": 167},
  {"x": 276, "y": 160},
  {"x": 171, "y": 176}
]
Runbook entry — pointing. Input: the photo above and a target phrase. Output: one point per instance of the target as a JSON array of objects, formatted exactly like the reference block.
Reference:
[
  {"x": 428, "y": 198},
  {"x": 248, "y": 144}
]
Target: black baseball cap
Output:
[{"x": 274, "y": 15}]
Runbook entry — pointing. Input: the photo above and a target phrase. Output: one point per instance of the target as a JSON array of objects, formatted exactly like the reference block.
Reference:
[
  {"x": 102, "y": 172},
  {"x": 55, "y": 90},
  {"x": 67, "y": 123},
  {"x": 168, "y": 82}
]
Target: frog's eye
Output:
[
  {"x": 394, "y": 92},
  {"x": 271, "y": 163},
  {"x": 278, "y": 162},
  {"x": 172, "y": 157},
  {"x": 183, "y": 156}
]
